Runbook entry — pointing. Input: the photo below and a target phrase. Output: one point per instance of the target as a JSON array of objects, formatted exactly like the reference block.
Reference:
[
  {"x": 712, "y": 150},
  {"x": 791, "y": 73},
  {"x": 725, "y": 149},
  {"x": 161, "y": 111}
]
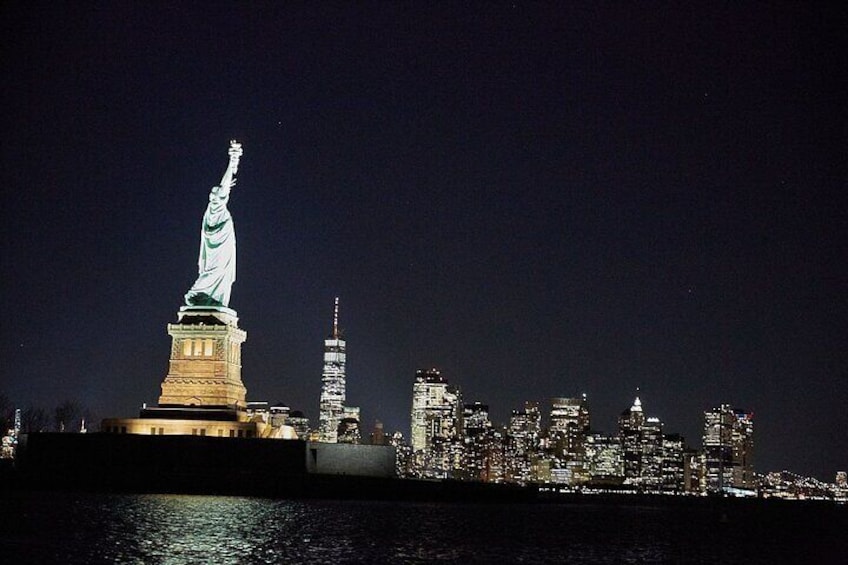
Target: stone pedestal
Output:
[{"x": 205, "y": 365}]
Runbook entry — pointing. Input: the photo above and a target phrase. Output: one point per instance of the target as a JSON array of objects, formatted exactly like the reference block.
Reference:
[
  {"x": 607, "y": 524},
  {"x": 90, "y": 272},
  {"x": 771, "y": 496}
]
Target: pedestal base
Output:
[{"x": 205, "y": 365}]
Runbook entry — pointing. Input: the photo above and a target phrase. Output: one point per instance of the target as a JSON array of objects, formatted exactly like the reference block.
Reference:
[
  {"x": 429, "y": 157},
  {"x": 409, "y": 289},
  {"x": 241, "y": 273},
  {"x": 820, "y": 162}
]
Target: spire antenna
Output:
[{"x": 336, "y": 319}]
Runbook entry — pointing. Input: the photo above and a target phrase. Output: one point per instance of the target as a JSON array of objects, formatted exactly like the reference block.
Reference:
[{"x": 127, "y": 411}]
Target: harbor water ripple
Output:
[{"x": 175, "y": 529}]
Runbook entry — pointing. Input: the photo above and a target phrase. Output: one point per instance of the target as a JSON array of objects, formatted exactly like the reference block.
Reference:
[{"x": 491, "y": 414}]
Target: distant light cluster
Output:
[
  {"x": 455, "y": 440},
  {"x": 450, "y": 439}
]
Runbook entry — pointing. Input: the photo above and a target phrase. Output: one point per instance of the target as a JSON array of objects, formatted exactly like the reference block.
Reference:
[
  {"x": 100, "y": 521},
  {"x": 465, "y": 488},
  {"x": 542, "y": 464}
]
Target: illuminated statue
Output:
[{"x": 217, "y": 261}]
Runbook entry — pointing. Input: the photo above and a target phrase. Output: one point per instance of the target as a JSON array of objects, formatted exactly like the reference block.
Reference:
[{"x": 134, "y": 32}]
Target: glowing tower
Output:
[
  {"x": 331, "y": 407},
  {"x": 435, "y": 425},
  {"x": 728, "y": 449},
  {"x": 630, "y": 424}
]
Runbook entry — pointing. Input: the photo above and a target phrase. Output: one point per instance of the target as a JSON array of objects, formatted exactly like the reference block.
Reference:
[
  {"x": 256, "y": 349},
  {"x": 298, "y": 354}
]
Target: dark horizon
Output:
[{"x": 539, "y": 200}]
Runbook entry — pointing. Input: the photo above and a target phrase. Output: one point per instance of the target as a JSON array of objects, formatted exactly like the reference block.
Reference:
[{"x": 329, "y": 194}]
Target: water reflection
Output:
[
  {"x": 195, "y": 529},
  {"x": 170, "y": 529}
]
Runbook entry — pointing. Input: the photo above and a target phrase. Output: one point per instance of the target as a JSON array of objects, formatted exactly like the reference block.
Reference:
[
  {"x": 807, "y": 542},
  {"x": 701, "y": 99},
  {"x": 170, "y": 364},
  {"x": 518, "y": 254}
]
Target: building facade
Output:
[
  {"x": 653, "y": 456},
  {"x": 630, "y": 424},
  {"x": 349, "y": 430},
  {"x": 523, "y": 444},
  {"x": 567, "y": 439},
  {"x": 605, "y": 458},
  {"x": 435, "y": 425},
  {"x": 331, "y": 404},
  {"x": 675, "y": 464},
  {"x": 728, "y": 450}
]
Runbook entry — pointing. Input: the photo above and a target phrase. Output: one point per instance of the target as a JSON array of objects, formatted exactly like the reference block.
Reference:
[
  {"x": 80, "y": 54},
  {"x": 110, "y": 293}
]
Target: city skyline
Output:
[{"x": 541, "y": 201}]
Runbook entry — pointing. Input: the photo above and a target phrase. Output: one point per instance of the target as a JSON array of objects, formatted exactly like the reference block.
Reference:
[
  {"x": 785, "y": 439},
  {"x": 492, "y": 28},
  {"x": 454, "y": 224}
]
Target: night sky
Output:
[{"x": 539, "y": 200}]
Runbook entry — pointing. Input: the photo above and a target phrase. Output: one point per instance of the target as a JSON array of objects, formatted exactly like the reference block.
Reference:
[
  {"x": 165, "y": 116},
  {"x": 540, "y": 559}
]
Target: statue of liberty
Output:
[{"x": 217, "y": 261}]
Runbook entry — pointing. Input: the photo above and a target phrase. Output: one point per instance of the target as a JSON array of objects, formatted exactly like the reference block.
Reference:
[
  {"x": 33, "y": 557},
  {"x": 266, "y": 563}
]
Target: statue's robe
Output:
[{"x": 217, "y": 260}]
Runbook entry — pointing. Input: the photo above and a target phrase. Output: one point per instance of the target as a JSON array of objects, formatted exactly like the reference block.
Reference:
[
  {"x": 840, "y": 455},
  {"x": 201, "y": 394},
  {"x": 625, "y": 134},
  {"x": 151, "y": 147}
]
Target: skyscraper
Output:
[
  {"x": 569, "y": 425},
  {"x": 630, "y": 432},
  {"x": 567, "y": 439},
  {"x": 475, "y": 418},
  {"x": 331, "y": 406},
  {"x": 743, "y": 450},
  {"x": 348, "y": 430},
  {"x": 604, "y": 458},
  {"x": 728, "y": 449},
  {"x": 523, "y": 442},
  {"x": 674, "y": 468},
  {"x": 652, "y": 459},
  {"x": 476, "y": 439},
  {"x": 435, "y": 424}
]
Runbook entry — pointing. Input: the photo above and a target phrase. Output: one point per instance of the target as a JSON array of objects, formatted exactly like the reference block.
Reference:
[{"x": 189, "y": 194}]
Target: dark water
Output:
[{"x": 95, "y": 528}]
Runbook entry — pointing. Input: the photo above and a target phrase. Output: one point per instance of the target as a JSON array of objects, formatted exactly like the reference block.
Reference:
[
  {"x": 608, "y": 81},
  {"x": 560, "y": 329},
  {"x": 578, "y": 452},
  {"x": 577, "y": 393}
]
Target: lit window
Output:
[
  {"x": 186, "y": 348},
  {"x": 153, "y": 431},
  {"x": 207, "y": 347}
]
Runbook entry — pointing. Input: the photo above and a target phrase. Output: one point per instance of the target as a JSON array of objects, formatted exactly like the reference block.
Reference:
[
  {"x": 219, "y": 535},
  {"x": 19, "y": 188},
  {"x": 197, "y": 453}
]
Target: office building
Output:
[
  {"x": 728, "y": 446},
  {"x": 435, "y": 425},
  {"x": 630, "y": 424},
  {"x": 605, "y": 458},
  {"x": 523, "y": 443},
  {"x": 331, "y": 405},
  {"x": 652, "y": 457}
]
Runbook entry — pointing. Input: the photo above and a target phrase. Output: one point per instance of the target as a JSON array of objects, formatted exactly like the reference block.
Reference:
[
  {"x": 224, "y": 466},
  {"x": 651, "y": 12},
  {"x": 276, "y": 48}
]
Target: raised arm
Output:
[{"x": 228, "y": 180}]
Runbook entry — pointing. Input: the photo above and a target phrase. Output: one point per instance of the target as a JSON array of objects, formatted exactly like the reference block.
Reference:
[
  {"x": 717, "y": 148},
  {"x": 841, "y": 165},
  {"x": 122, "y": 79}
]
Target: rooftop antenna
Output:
[{"x": 336, "y": 319}]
